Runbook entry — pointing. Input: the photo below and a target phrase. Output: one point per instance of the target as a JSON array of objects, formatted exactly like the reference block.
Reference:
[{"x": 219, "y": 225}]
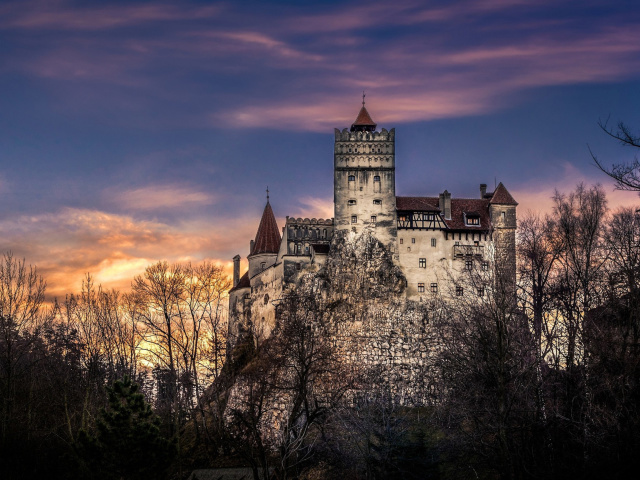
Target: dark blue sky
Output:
[{"x": 138, "y": 131}]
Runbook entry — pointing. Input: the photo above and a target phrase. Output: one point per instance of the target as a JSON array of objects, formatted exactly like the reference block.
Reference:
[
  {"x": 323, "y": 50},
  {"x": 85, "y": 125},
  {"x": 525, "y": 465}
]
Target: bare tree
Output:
[
  {"x": 21, "y": 298},
  {"x": 626, "y": 175},
  {"x": 487, "y": 358}
]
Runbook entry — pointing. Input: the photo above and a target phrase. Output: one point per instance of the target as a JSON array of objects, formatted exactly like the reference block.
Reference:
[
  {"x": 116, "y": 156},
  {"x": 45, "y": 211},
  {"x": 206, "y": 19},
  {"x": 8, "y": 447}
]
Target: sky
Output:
[{"x": 132, "y": 132}]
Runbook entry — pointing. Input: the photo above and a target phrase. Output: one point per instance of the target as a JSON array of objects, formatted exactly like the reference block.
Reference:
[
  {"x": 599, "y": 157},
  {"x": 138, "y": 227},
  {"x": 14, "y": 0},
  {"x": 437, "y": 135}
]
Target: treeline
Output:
[
  {"x": 537, "y": 379},
  {"x": 57, "y": 363}
]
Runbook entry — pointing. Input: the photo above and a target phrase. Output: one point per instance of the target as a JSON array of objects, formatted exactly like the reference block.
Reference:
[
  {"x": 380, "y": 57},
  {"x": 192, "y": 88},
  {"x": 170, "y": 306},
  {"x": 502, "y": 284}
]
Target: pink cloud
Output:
[
  {"x": 62, "y": 15},
  {"x": 158, "y": 197}
]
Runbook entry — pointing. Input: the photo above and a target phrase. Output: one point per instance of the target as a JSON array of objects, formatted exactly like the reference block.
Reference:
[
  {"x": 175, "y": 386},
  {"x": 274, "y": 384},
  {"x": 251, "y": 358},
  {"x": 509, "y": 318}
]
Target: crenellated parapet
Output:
[
  {"x": 303, "y": 233},
  {"x": 383, "y": 135}
]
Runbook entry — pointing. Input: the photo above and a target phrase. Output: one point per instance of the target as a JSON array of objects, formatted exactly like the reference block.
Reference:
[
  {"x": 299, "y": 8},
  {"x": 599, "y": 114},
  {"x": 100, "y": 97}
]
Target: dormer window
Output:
[{"x": 472, "y": 219}]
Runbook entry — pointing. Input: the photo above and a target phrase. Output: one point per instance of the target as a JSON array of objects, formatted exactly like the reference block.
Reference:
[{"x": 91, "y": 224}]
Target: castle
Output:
[{"x": 426, "y": 235}]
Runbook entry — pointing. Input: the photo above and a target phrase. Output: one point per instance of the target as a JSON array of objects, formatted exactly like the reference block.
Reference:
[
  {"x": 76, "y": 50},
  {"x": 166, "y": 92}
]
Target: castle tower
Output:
[
  {"x": 502, "y": 210},
  {"x": 364, "y": 179},
  {"x": 264, "y": 249}
]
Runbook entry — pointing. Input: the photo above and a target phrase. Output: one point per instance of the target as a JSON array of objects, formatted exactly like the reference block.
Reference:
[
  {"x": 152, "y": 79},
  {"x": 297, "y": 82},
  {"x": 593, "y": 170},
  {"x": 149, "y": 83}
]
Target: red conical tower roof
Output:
[
  {"x": 364, "y": 121},
  {"x": 268, "y": 236}
]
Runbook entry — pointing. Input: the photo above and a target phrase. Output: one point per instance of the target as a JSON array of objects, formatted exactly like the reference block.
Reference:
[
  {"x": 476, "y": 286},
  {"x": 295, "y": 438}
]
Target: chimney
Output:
[
  {"x": 445, "y": 204},
  {"x": 251, "y": 243},
  {"x": 483, "y": 190},
  {"x": 236, "y": 270}
]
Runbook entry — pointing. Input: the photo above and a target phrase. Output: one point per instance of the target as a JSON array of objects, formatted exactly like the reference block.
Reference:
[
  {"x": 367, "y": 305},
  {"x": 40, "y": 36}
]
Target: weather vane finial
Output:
[
  {"x": 267, "y": 193},
  {"x": 363, "y": 95}
]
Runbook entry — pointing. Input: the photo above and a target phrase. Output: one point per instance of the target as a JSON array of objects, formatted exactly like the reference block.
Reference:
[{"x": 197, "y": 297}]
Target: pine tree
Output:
[{"x": 127, "y": 442}]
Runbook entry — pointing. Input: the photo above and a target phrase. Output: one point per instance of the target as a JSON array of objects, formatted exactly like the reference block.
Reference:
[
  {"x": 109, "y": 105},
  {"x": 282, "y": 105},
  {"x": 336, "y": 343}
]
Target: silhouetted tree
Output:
[
  {"x": 126, "y": 443},
  {"x": 626, "y": 175}
]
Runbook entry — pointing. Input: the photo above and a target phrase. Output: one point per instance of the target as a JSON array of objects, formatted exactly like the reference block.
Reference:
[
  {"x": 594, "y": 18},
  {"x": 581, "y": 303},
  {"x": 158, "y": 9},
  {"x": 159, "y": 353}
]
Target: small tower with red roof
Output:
[{"x": 264, "y": 249}]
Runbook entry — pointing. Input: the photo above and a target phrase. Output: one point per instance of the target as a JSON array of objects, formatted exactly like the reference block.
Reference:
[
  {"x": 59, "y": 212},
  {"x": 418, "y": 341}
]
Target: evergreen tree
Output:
[{"x": 127, "y": 442}]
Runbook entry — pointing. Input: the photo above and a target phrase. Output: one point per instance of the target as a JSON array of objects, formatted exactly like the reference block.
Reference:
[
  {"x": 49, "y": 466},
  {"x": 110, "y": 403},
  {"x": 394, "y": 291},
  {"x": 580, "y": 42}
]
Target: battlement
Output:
[
  {"x": 383, "y": 135},
  {"x": 309, "y": 221}
]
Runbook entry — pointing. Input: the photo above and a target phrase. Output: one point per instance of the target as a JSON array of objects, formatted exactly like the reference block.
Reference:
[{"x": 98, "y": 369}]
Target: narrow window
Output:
[
  {"x": 378, "y": 150},
  {"x": 376, "y": 178},
  {"x": 433, "y": 242},
  {"x": 352, "y": 178},
  {"x": 481, "y": 291},
  {"x": 374, "y": 218},
  {"x": 434, "y": 288},
  {"x": 263, "y": 265},
  {"x": 485, "y": 266},
  {"x": 459, "y": 291},
  {"x": 421, "y": 288},
  {"x": 266, "y": 299},
  {"x": 349, "y": 149},
  {"x": 355, "y": 150},
  {"x": 377, "y": 202},
  {"x": 413, "y": 240},
  {"x": 306, "y": 250},
  {"x": 504, "y": 216},
  {"x": 468, "y": 264},
  {"x": 324, "y": 233},
  {"x": 401, "y": 241},
  {"x": 298, "y": 266},
  {"x": 354, "y": 219},
  {"x": 422, "y": 263}
]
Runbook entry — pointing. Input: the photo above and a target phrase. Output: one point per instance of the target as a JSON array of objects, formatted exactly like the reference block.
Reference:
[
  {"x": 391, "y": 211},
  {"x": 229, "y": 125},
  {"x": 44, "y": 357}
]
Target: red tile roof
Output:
[
  {"x": 363, "y": 120},
  {"x": 418, "y": 204},
  {"x": 242, "y": 283},
  {"x": 502, "y": 196},
  {"x": 474, "y": 206},
  {"x": 268, "y": 236}
]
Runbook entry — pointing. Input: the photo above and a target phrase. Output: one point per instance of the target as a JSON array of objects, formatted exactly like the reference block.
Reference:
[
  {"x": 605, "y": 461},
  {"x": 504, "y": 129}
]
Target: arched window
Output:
[{"x": 352, "y": 178}]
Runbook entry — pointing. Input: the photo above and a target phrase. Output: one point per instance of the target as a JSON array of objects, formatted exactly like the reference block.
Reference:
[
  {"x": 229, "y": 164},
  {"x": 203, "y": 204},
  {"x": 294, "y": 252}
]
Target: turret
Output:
[
  {"x": 264, "y": 249},
  {"x": 502, "y": 209}
]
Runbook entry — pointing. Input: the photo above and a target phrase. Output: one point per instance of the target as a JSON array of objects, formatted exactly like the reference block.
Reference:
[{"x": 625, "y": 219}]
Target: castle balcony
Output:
[{"x": 463, "y": 251}]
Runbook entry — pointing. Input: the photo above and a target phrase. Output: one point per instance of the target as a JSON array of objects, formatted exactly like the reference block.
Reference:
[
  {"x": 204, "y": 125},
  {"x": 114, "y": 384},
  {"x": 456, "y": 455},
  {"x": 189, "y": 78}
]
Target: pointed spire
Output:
[
  {"x": 363, "y": 123},
  {"x": 268, "y": 237}
]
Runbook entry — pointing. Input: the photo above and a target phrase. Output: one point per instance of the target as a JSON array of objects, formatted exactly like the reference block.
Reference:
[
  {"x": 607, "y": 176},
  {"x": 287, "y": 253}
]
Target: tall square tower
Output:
[{"x": 364, "y": 179}]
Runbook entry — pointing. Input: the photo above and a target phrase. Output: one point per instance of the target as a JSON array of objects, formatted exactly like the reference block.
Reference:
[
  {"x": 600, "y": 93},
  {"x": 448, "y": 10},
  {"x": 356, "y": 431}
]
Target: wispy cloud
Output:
[
  {"x": 158, "y": 197},
  {"x": 47, "y": 14}
]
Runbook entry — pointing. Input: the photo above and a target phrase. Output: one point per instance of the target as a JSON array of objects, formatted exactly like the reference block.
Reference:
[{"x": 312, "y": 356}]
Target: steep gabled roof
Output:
[
  {"x": 502, "y": 196},
  {"x": 242, "y": 283},
  {"x": 364, "y": 121},
  {"x": 268, "y": 237}
]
